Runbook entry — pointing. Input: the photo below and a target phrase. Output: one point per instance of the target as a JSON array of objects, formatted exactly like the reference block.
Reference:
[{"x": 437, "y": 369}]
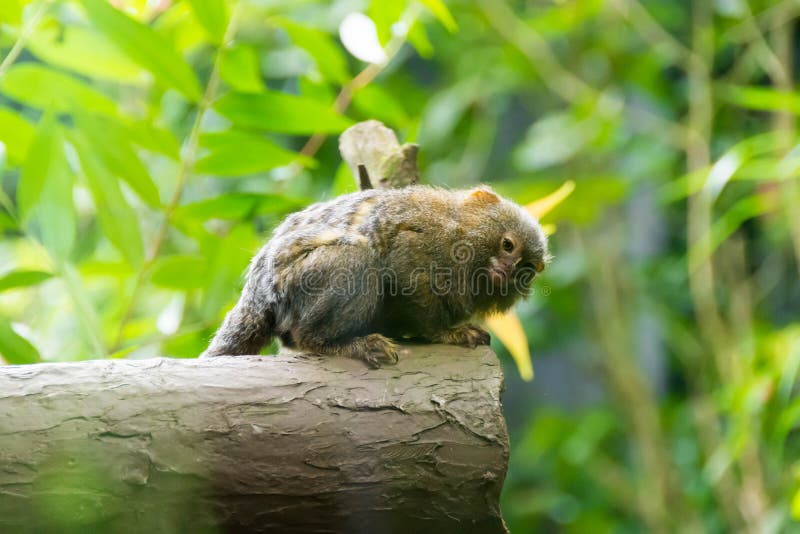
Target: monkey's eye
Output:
[{"x": 507, "y": 244}]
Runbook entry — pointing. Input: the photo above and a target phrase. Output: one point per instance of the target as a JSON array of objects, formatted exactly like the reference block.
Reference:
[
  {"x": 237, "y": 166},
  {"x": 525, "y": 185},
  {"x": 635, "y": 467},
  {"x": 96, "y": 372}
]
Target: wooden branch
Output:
[
  {"x": 287, "y": 443},
  {"x": 388, "y": 163}
]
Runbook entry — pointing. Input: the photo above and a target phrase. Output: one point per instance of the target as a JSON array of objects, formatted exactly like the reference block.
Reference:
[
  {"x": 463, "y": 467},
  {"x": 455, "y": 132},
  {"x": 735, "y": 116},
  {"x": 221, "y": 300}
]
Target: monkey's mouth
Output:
[{"x": 498, "y": 273}]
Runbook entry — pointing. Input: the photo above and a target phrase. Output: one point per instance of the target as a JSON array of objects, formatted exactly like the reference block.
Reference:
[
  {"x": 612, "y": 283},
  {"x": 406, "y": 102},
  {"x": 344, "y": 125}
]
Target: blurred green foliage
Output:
[{"x": 148, "y": 147}]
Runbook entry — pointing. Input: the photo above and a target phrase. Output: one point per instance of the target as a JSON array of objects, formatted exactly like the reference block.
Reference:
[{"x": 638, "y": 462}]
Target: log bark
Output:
[{"x": 286, "y": 443}]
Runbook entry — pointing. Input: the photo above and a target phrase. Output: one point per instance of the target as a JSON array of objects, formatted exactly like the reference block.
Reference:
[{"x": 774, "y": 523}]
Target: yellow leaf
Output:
[
  {"x": 549, "y": 229},
  {"x": 508, "y": 330},
  {"x": 540, "y": 208},
  {"x": 795, "y": 507}
]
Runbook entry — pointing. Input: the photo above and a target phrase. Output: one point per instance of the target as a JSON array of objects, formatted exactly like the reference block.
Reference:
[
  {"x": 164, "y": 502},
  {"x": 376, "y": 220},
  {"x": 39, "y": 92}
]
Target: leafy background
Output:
[{"x": 148, "y": 147}]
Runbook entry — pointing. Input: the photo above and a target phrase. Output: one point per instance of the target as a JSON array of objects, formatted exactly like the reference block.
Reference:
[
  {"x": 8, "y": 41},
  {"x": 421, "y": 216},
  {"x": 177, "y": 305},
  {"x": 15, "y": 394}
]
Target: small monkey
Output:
[{"x": 353, "y": 275}]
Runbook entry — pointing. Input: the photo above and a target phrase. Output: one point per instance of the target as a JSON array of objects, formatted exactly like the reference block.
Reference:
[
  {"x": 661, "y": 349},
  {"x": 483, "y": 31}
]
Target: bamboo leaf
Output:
[
  {"x": 17, "y": 279},
  {"x": 37, "y": 165},
  {"x": 760, "y": 98},
  {"x": 151, "y": 137},
  {"x": 54, "y": 219},
  {"x": 143, "y": 45},
  {"x": 117, "y": 218},
  {"x": 280, "y": 112},
  {"x": 213, "y": 16},
  {"x": 228, "y": 263},
  {"x": 14, "y": 348},
  {"x": 374, "y": 101},
  {"x": 33, "y": 84},
  {"x": 11, "y": 11},
  {"x": 16, "y": 134},
  {"x": 181, "y": 272},
  {"x": 240, "y": 206},
  {"x": 321, "y": 47},
  {"x": 85, "y": 51},
  {"x": 111, "y": 142},
  {"x": 226, "y": 149},
  {"x": 240, "y": 69}
]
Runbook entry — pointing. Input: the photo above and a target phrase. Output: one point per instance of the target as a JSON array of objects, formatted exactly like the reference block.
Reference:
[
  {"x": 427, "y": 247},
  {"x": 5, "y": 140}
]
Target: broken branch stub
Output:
[{"x": 388, "y": 164}]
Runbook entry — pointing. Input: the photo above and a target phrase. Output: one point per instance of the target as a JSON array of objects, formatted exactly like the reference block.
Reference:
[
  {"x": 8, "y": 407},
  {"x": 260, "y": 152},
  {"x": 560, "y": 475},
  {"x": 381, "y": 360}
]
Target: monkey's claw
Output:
[
  {"x": 467, "y": 336},
  {"x": 379, "y": 350}
]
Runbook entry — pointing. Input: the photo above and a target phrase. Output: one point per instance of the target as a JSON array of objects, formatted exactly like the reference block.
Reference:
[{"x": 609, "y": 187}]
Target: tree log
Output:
[{"x": 286, "y": 443}]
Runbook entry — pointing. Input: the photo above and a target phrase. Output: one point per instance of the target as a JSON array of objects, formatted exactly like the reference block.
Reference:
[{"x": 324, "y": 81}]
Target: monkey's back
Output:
[{"x": 373, "y": 219}]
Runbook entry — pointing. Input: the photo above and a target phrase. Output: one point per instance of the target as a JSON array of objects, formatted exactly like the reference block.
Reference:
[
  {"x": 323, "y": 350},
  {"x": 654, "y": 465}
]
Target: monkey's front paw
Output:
[
  {"x": 379, "y": 350},
  {"x": 467, "y": 336}
]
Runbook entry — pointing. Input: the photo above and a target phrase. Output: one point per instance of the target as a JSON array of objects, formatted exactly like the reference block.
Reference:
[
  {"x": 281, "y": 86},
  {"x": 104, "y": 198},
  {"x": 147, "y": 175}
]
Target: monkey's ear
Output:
[{"x": 482, "y": 195}]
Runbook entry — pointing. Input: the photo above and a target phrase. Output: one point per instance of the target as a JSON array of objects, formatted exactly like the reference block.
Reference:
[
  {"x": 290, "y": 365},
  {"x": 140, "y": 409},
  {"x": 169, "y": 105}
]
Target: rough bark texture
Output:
[
  {"x": 389, "y": 164},
  {"x": 287, "y": 443}
]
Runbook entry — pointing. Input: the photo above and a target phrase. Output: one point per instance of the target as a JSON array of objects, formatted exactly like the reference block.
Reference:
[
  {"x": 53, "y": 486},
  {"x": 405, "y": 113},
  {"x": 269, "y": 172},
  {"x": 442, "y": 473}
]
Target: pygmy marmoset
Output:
[{"x": 352, "y": 275}]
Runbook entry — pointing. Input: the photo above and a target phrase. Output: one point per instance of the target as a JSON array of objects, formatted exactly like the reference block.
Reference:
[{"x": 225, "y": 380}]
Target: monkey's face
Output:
[
  {"x": 516, "y": 263},
  {"x": 510, "y": 250}
]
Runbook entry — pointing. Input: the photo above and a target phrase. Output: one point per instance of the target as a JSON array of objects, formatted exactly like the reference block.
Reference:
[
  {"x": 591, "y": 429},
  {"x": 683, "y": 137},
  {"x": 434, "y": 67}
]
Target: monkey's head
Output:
[{"x": 510, "y": 249}]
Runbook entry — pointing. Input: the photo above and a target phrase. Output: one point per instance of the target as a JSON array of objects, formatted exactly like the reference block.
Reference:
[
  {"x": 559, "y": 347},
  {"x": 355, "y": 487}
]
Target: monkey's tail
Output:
[{"x": 247, "y": 328}]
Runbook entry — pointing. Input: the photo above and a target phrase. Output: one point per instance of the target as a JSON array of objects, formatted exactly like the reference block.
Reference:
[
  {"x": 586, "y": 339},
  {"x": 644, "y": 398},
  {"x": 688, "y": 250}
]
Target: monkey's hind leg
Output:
[{"x": 466, "y": 336}]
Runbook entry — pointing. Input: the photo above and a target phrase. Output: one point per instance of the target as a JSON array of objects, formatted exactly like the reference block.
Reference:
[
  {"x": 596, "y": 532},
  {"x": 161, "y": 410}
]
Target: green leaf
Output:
[
  {"x": 144, "y": 46},
  {"x": 440, "y": 11},
  {"x": 722, "y": 228},
  {"x": 418, "y": 38},
  {"x": 187, "y": 344},
  {"x": 726, "y": 168},
  {"x": 37, "y": 166},
  {"x": 118, "y": 220},
  {"x": 241, "y": 206},
  {"x": 35, "y": 84},
  {"x": 16, "y": 134},
  {"x": 343, "y": 181},
  {"x": 213, "y": 16},
  {"x": 234, "y": 153},
  {"x": 111, "y": 142},
  {"x": 85, "y": 51},
  {"x": 375, "y": 102},
  {"x": 181, "y": 272},
  {"x": 321, "y": 47},
  {"x": 16, "y": 279},
  {"x": 152, "y": 138},
  {"x": 44, "y": 193},
  {"x": 279, "y": 112},
  {"x": 228, "y": 263},
  {"x": 11, "y": 12},
  {"x": 760, "y": 98},
  {"x": 14, "y": 348},
  {"x": 54, "y": 215},
  {"x": 7, "y": 222},
  {"x": 239, "y": 68}
]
